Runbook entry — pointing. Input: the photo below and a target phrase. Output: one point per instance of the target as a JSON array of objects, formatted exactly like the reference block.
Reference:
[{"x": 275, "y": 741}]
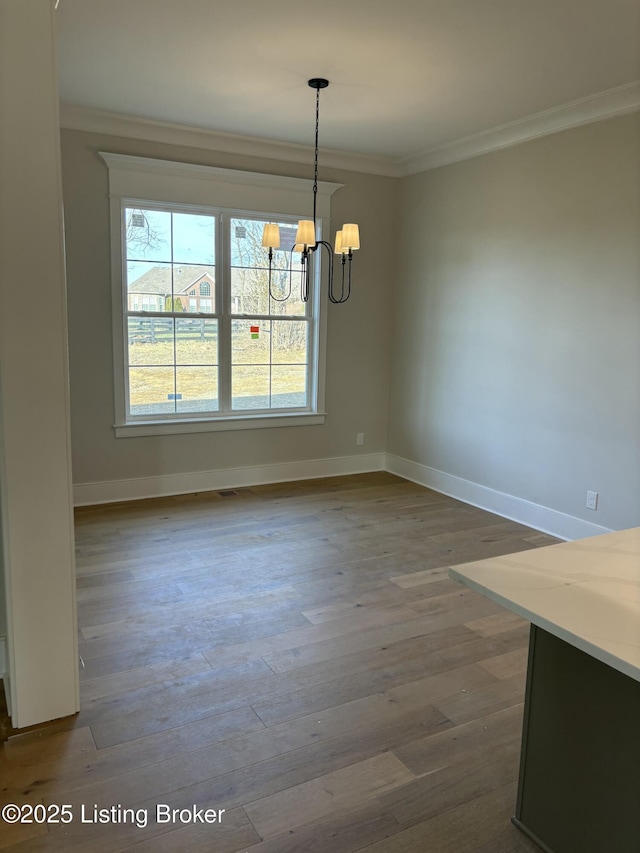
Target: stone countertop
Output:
[{"x": 585, "y": 592}]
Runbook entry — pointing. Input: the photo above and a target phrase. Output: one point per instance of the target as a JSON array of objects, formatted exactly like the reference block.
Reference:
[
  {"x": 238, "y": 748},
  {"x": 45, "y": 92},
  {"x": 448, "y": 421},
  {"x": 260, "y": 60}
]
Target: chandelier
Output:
[{"x": 307, "y": 242}]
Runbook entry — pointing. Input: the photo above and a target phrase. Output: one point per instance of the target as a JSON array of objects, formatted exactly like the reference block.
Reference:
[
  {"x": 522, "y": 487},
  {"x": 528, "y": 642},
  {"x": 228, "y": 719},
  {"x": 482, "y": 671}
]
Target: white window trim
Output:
[{"x": 167, "y": 182}]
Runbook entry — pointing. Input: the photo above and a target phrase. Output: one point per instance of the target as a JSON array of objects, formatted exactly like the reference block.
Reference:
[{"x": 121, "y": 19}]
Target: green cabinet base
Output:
[{"x": 579, "y": 786}]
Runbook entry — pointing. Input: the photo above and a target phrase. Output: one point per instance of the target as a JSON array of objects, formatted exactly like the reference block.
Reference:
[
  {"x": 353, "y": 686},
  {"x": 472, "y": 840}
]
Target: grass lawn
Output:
[{"x": 151, "y": 373}]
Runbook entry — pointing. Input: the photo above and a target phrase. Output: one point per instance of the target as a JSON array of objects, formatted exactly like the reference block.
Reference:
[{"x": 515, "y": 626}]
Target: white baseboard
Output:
[
  {"x": 110, "y": 491},
  {"x": 541, "y": 518}
]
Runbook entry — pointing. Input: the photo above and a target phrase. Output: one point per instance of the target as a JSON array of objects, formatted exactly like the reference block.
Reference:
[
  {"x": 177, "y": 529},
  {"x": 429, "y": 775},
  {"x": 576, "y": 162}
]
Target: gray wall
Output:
[
  {"x": 358, "y": 346},
  {"x": 516, "y": 358}
]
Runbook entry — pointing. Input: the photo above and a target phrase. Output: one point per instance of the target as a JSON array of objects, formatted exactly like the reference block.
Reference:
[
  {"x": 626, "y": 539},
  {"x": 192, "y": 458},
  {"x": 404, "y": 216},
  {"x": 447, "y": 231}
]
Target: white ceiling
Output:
[{"x": 407, "y": 76}]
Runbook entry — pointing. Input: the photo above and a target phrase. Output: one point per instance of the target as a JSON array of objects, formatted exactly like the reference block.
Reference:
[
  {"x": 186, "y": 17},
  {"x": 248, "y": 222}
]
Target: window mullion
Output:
[
  {"x": 173, "y": 308},
  {"x": 224, "y": 293}
]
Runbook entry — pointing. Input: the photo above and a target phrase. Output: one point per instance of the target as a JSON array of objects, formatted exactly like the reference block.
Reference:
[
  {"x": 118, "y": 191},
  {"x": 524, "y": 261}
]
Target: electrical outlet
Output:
[
  {"x": 592, "y": 500},
  {"x": 360, "y": 438}
]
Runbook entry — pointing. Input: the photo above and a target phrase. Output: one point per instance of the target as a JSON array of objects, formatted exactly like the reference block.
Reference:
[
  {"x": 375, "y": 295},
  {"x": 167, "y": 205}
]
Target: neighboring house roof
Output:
[{"x": 158, "y": 279}]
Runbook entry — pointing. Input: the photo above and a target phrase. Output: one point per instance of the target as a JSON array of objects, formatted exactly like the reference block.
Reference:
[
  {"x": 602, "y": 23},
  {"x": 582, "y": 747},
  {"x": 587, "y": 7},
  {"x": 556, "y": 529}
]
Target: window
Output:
[
  {"x": 174, "y": 362},
  {"x": 200, "y": 340}
]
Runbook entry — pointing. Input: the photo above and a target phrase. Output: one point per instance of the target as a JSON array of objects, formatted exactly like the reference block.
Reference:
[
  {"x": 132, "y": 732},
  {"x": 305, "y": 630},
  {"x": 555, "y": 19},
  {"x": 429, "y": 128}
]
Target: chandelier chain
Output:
[{"x": 315, "y": 173}]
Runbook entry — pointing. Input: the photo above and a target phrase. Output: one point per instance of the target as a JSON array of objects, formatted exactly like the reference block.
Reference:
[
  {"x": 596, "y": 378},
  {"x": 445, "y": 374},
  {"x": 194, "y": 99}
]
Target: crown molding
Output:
[
  {"x": 613, "y": 102},
  {"x": 113, "y": 124}
]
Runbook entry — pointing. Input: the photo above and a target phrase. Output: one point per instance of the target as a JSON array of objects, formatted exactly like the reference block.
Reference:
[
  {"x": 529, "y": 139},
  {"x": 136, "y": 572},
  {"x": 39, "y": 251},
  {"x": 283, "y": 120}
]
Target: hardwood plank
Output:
[
  {"x": 57, "y": 777},
  {"x": 141, "y": 676},
  {"x": 510, "y": 665},
  {"x": 447, "y": 787},
  {"x": 43, "y": 746},
  {"x": 323, "y": 650},
  {"x": 463, "y": 829},
  {"x": 110, "y": 623},
  {"x": 419, "y": 578},
  {"x": 320, "y": 797},
  {"x": 169, "y": 638},
  {"x": 144, "y": 711},
  {"x": 15, "y": 835},
  {"x": 343, "y": 831},
  {"x": 496, "y": 623},
  {"x": 233, "y": 833},
  {"x": 465, "y": 706},
  {"x": 312, "y": 635},
  {"x": 349, "y": 690},
  {"x": 483, "y": 736}
]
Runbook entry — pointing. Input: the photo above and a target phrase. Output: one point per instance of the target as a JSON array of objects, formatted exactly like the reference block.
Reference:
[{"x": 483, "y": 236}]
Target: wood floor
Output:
[{"x": 297, "y": 656}]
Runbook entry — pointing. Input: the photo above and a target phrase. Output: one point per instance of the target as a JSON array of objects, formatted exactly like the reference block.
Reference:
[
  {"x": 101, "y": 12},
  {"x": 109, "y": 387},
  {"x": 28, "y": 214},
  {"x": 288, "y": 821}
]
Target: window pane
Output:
[
  {"x": 148, "y": 287},
  {"x": 194, "y": 288},
  {"x": 196, "y": 341},
  {"x": 287, "y": 241},
  {"x": 287, "y": 285},
  {"x": 249, "y": 274},
  {"x": 250, "y": 387},
  {"x": 150, "y": 340},
  {"x": 249, "y": 291},
  {"x": 151, "y": 390},
  {"x": 246, "y": 244},
  {"x": 250, "y": 341},
  {"x": 289, "y": 342},
  {"x": 288, "y": 386},
  {"x": 148, "y": 234},
  {"x": 197, "y": 389},
  {"x": 269, "y": 364},
  {"x": 193, "y": 239}
]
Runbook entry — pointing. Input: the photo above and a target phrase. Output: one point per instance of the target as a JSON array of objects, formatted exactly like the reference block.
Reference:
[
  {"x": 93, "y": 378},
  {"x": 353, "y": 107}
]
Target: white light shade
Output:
[
  {"x": 271, "y": 236},
  {"x": 339, "y": 250},
  {"x": 350, "y": 237},
  {"x": 306, "y": 233}
]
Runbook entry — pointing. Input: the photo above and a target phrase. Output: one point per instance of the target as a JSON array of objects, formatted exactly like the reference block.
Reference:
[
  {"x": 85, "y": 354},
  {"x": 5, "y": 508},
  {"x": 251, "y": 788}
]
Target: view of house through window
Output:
[{"x": 206, "y": 338}]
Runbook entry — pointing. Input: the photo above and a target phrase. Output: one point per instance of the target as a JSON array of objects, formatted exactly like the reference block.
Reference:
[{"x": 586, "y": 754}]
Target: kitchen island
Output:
[{"x": 579, "y": 784}]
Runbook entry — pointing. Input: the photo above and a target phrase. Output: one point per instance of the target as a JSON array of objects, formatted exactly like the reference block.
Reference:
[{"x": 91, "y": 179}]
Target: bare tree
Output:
[{"x": 140, "y": 233}]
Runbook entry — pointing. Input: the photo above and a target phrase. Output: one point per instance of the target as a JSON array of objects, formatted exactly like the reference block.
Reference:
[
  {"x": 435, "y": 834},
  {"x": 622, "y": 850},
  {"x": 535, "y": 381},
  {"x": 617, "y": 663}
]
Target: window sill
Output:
[{"x": 221, "y": 424}]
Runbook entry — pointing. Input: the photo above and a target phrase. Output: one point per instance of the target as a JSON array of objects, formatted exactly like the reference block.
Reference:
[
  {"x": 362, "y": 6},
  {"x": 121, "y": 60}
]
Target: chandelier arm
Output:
[
  {"x": 344, "y": 293},
  {"x": 271, "y": 294},
  {"x": 305, "y": 280}
]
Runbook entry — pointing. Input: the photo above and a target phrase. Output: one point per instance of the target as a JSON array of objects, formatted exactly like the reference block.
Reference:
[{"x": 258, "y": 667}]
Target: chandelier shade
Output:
[
  {"x": 271, "y": 236},
  {"x": 351, "y": 237},
  {"x": 306, "y": 233}
]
